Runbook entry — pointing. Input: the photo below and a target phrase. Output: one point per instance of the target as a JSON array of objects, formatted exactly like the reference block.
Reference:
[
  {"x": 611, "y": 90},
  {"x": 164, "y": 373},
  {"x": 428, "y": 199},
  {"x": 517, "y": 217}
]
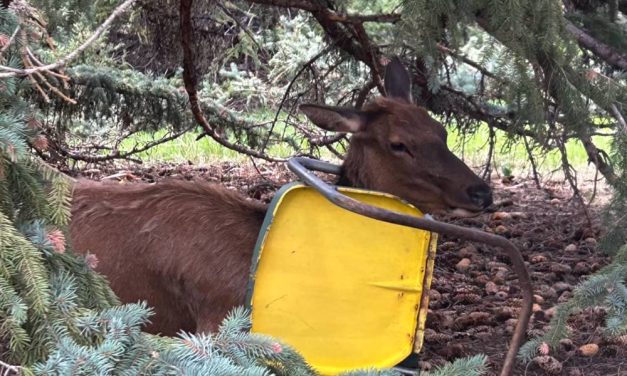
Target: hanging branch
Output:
[
  {"x": 571, "y": 177},
  {"x": 534, "y": 168},
  {"x": 363, "y": 94},
  {"x": 374, "y": 56},
  {"x": 189, "y": 77},
  {"x": 488, "y": 164},
  {"x": 240, "y": 25},
  {"x": 599, "y": 159},
  {"x": 619, "y": 117}
]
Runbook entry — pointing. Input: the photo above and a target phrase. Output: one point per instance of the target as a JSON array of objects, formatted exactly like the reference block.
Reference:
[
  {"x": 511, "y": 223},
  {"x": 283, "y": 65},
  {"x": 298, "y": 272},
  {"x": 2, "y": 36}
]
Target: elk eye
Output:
[{"x": 398, "y": 147}]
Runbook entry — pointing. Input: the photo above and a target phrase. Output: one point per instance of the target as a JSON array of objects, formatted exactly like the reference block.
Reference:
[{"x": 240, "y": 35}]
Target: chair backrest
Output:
[{"x": 344, "y": 290}]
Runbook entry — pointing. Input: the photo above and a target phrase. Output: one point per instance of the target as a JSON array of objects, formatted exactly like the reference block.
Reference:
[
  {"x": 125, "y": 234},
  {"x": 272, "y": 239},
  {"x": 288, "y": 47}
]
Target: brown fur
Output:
[
  {"x": 429, "y": 175},
  {"x": 186, "y": 247}
]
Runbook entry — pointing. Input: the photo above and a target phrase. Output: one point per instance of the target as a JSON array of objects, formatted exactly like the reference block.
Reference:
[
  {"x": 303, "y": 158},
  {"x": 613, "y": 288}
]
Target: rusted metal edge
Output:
[{"x": 301, "y": 167}]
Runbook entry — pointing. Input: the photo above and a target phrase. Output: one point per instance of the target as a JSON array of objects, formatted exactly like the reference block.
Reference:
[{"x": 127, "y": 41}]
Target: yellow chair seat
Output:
[{"x": 344, "y": 290}]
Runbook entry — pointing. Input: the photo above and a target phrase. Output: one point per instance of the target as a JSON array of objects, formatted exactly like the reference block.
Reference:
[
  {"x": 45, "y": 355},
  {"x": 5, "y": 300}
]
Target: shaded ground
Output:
[{"x": 474, "y": 305}]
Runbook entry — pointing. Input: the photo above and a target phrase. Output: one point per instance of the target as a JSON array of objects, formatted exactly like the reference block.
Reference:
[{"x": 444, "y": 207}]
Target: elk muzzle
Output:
[{"x": 480, "y": 195}]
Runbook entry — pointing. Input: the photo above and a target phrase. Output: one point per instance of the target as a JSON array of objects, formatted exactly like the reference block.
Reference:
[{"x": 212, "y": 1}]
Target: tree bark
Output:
[{"x": 600, "y": 49}]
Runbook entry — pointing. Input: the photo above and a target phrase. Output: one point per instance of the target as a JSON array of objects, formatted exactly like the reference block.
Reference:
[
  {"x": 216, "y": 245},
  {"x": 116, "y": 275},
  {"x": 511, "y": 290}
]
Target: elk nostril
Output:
[{"x": 480, "y": 195}]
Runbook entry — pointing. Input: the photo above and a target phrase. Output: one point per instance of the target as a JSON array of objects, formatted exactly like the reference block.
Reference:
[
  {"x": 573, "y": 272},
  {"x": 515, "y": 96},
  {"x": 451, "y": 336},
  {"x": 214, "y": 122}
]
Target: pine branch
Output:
[
  {"x": 557, "y": 83},
  {"x": 189, "y": 77},
  {"x": 598, "y": 48},
  {"x": 356, "y": 44},
  {"x": 619, "y": 117}
]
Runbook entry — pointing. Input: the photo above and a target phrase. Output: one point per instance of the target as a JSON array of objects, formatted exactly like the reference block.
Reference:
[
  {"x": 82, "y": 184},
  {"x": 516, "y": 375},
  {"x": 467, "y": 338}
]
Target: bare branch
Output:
[
  {"x": 289, "y": 88},
  {"x": 10, "y": 370},
  {"x": 466, "y": 60},
  {"x": 327, "y": 140},
  {"x": 11, "y": 72},
  {"x": 488, "y": 165},
  {"x": 10, "y": 41},
  {"x": 534, "y": 168},
  {"x": 115, "y": 154},
  {"x": 597, "y": 156}
]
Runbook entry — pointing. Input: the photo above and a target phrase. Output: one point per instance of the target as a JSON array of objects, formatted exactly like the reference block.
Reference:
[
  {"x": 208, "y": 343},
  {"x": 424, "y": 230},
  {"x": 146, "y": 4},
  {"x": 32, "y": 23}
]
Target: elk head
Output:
[{"x": 397, "y": 147}]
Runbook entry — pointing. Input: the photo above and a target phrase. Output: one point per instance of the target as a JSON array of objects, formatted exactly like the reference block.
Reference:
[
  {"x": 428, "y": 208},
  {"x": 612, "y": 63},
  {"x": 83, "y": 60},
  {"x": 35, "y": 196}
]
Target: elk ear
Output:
[
  {"x": 336, "y": 119},
  {"x": 397, "y": 81}
]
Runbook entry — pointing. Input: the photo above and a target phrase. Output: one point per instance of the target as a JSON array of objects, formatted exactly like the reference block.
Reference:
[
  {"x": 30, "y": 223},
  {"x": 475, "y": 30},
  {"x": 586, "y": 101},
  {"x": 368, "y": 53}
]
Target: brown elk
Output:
[{"x": 186, "y": 247}]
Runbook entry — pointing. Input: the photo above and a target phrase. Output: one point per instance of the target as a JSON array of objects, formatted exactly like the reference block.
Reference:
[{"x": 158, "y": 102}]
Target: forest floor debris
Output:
[{"x": 474, "y": 295}]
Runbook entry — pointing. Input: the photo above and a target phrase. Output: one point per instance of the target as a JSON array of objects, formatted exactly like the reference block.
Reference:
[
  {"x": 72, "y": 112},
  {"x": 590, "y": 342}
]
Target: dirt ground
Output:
[{"x": 474, "y": 296}]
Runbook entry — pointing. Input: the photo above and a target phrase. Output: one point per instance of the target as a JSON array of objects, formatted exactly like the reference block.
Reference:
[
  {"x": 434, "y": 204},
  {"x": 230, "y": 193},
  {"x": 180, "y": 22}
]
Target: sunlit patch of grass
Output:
[
  {"x": 181, "y": 150},
  {"x": 508, "y": 157},
  {"x": 512, "y": 156}
]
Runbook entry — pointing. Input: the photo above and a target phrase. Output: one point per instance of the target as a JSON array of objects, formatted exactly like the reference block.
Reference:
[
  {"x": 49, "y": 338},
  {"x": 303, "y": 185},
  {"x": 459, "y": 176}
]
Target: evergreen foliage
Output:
[
  {"x": 65, "y": 17},
  {"x": 59, "y": 317},
  {"x": 532, "y": 55},
  {"x": 43, "y": 287},
  {"x": 112, "y": 343},
  {"x": 608, "y": 32},
  {"x": 614, "y": 217},
  {"x": 114, "y": 104},
  {"x": 56, "y": 314},
  {"x": 540, "y": 79},
  {"x": 471, "y": 366}
]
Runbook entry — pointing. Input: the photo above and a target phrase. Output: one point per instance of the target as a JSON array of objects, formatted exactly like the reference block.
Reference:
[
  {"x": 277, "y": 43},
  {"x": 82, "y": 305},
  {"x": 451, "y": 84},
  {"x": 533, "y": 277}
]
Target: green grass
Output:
[
  {"x": 472, "y": 149},
  {"x": 186, "y": 148},
  {"x": 180, "y": 150}
]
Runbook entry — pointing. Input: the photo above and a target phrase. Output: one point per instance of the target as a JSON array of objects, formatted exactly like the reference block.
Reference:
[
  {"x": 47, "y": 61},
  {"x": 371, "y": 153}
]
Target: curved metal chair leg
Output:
[{"x": 301, "y": 167}]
